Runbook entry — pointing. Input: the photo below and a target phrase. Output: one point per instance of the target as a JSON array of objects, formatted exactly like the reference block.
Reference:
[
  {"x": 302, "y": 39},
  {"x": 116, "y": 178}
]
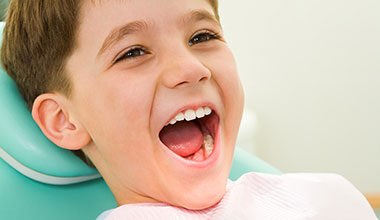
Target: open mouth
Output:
[{"x": 191, "y": 134}]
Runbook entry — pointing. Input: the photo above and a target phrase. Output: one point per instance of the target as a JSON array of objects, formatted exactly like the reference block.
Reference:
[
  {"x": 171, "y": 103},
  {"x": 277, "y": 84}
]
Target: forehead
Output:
[
  {"x": 99, "y": 18},
  {"x": 140, "y": 8},
  {"x": 110, "y": 13}
]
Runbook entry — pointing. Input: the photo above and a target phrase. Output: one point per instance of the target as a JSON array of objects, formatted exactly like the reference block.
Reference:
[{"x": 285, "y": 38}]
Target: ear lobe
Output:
[{"x": 57, "y": 125}]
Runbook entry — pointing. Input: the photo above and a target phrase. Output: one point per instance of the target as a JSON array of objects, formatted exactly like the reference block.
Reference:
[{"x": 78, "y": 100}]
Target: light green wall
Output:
[{"x": 311, "y": 73}]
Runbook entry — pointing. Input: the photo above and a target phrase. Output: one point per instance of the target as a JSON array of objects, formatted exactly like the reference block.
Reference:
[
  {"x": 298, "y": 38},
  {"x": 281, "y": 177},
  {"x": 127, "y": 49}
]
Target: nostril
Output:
[
  {"x": 203, "y": 79},
  {"x": 181, "y": 83},
  {"x": 187, "y": 82}
]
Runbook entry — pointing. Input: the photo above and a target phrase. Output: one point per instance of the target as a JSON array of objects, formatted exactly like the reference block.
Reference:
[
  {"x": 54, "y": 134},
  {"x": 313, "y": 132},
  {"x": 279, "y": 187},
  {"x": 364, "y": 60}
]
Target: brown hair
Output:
[{"x": 38, "y": 37}]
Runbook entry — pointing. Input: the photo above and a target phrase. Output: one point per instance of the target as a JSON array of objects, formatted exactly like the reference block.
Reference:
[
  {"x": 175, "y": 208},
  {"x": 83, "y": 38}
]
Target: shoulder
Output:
[
  {"x": 330, "y": 195},
  {"x": 104, "y": 214},
  {"x": 309, "y": 183}
]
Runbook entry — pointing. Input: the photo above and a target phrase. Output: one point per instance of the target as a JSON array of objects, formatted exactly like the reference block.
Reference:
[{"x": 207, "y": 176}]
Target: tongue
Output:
[{"x": 183, "y": 138}]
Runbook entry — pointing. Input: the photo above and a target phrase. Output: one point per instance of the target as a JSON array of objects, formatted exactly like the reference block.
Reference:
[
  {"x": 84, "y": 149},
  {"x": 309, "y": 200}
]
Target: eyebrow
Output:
[
  {"x": 199, "y": 15},
  {"x": 120, "y": 32},
  {"x": 139, "y": 26}
]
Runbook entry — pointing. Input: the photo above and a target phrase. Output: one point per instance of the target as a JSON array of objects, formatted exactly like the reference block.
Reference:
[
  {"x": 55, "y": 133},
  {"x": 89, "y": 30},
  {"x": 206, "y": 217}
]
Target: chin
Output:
[{"x": 203, "y": 201}]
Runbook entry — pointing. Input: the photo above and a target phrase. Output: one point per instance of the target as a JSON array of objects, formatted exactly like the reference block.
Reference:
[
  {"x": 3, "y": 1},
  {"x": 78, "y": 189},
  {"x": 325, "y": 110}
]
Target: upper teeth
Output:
[{"x": 190, "y": 114}]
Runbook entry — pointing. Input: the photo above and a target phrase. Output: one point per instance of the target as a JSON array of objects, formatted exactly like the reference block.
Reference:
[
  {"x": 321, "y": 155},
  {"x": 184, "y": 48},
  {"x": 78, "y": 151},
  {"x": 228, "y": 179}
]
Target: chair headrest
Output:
[{"x": 24, "y": 147}]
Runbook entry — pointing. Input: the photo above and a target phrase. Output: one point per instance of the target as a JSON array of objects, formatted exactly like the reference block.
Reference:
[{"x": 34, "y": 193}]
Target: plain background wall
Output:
[{"x": 311, "y": 72}]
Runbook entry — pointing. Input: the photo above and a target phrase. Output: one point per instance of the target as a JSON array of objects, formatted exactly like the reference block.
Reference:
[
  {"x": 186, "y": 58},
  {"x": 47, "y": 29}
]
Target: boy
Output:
[{"x": 149, "y": 91}]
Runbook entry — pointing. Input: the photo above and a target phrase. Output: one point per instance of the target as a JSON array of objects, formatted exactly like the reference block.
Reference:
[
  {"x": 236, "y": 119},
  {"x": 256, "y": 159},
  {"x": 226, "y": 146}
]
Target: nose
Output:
[{"x": 184, "y": 69}]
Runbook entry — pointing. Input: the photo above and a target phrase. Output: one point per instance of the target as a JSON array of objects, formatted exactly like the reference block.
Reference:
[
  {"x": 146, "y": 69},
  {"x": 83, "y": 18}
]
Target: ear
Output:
[{"x": 50, "y": 113}]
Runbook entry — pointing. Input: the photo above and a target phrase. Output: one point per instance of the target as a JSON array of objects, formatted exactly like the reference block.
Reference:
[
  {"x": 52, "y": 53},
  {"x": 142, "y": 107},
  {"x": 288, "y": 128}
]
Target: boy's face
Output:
[{"x": 137, "y": 64}]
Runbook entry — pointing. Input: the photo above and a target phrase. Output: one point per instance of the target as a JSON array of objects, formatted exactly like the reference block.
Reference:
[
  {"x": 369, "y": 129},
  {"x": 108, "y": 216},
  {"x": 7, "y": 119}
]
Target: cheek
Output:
[
  {"x": 228, "y": 81},
  {"x": 226, "y": 76},
  {"x": 117, "y": 110}
]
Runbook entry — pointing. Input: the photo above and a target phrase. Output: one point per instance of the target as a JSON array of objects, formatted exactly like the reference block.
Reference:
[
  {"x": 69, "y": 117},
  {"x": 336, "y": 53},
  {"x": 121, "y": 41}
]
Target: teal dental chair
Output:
[{"x": 41, "y": 181}]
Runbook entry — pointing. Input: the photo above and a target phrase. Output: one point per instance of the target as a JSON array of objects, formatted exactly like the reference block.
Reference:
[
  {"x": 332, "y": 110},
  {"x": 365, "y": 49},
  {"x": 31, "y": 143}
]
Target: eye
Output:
[
  {"x": 203, "y": 37},
  {"x": 132, "y": 53}
]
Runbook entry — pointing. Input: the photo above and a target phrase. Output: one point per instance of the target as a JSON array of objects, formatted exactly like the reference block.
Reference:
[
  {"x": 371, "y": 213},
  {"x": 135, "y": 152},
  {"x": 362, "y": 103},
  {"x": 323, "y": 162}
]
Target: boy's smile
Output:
[
  {"x": 139, "y": 64},
  {"x": 192, "y": 137},
  {"x": 191, "y": 133}
]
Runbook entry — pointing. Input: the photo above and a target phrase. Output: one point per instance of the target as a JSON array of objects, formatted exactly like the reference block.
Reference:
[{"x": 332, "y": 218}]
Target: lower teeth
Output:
[{"x": 208, "y": 144}]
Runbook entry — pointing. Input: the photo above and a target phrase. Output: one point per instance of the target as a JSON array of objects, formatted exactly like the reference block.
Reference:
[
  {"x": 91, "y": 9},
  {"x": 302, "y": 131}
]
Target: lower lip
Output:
[{"x": 209, "y": 161}]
